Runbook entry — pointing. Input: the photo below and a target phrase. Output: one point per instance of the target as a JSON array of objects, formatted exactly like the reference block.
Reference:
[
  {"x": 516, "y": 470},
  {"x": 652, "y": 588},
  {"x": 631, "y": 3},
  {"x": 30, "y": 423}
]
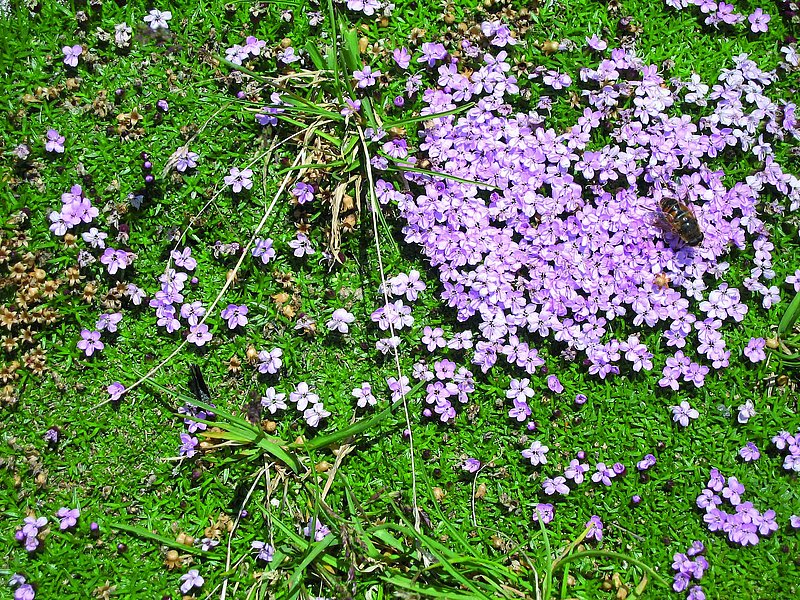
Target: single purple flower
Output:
[
  {"x": 749, "y": 452},
  {"x": 235, "y": 314},
  {"x": 72, "y": 54},
  {"x": 755, "y": 349},
  {"x": 366, "y": 77},
  {"x": 190, "y": 580},
  {"x": 595, "y": 527},
  {"x": 69, "y": 517},
  {"x": 239, "y": 180},
  {"x": 264, "y": 551},
  {"x": 90, "y": 342},
  {"x": 54, "y": 142},
  {"x": 759, "y": 21},
  {"x": 340, "y": 320}
]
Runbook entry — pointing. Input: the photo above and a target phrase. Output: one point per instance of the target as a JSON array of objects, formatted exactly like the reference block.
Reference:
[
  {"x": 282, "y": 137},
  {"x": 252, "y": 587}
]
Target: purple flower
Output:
[
  {"x": 264, "y": 551},
  {"x": 431, "y": 52},
  {"x": 554, "y": 384},
  {"x": 595, "y": 527},
  {"x": 603, "y": 474},
  {"x": 433, "y": 338},
  {"x": 537, "y": 453},
  {"x": 72, "y": 54},
  {"x": 472, "y": 465},
  {"x": 351, "y": 108},
  {"x": 157, "y": 19},
  {"x": 314, "y": 414},
  {"x": 366, "y": 77},
  {"x": 199, "y": 334},
  {"x": 183, "y": 259},
  {"x": 25, "y": 592},
  {"x": 69, "y": 517},
  {"x": 54, "y": 142},
  {"x": 755, "y": 349},
  {"x": 340, "y": 320},
  {"x": 733, "y": 491},
  {"x": 545, "y": 511},
  {"x": 794, "y": 522},
  {"x": 115, "y": 391},
  {"x": 402, "y": 57},
  {"x": 364, "y": 396},
  {"x": 192, "y": 579},
  {"x": 239, "y": 180},
  {"x": 188, "y": 446},
  {"x": 108, "y": 322},
  {"x": 595, "y": 43},
  {"x": 556, "y": 485},
  {"x": 184, "y": 159},
  {"x": 320, "y": 530},
  {"x": 302, "y": 246},
  {"x": 746, "y": 412},
  {"x": 648, "y": 461},
  {"x": 302, "y": 396},
  {"x": 235, "y": 314},
  {"x": 682, "y": 413},
  {"x": 115, "y": 260},
  {"x": 270, "y": 362},
  {"x": 749, "y": 452},
  {"x": 576, "y": 471},
  {"x": 758, "y": 21},
  {"x": 90, "y": 342},
  {"x": 262, "y": 248},
  {"x": 303, "y": 192}
]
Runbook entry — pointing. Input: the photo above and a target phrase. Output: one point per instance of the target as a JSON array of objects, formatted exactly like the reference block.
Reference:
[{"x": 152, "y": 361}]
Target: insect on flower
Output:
[{"x": 681, "y": 220}]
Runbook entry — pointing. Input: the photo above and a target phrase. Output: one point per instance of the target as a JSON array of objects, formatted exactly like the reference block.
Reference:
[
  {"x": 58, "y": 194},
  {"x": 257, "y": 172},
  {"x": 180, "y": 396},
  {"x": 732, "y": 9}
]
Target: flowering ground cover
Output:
[{"x": 365, "y": 300}]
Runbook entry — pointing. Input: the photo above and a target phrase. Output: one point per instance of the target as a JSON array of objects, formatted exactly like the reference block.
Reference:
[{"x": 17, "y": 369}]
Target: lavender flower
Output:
[
  {"x": 264, "y": 551},
  {"x": 239, "y": 180},
  {"x": 72, "y": 54},
  {"x": 273, "y": 401},
  {"x": 90, "y": 342},
  {"x": 191, "y": 580},
  {"x": 363, "y": 396},
  {"x": 595, "y": 527},
  {"x": 366, "y": 77},
  {"x": 683, "y": 413},
  {"x": 537, "y": 453},
  {"x": 235, "y": 315},
  {"x": 750, "y": 452},
  {"x": 54, "y": 142},
  {"x": 69, "y": 517},
  {"x": 340, "y": 320},
  {"x": 270, "y": 362}
]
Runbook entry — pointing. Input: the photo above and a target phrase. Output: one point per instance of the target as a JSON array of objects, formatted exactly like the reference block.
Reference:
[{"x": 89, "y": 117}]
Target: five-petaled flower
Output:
[
  {"x": 682, "y": 413},
  {"x": 366, "y": 77},
  {"x": 239, "y": 180},
  {"x": 157, "y": 19},
  {"x": 90, "y": 342},
  {"x": 190, "y": 580},
  {"x": 235, "y": 314}
]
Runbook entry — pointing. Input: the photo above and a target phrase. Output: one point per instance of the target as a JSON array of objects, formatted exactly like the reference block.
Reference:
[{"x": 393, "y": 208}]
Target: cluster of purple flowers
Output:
[
  {"x": 577, "y": 471},
  {"x": 22, "y": 589},
  {"x": 29, "y": 534},
  {"x": 721, "y": 13},
  {"x": 742, "y": 526},
  {"x": 76, "y": 208},
  {"x": 171, "y": 305},
  {"x": 189, "y": 442},
  {"x": 688, "y": 566},
  {"x": 568, "y": 239},
  {"x": 252, "y": 47},
  {"x": 445, "y": 383},
  {"x": 790, "y": 445}
]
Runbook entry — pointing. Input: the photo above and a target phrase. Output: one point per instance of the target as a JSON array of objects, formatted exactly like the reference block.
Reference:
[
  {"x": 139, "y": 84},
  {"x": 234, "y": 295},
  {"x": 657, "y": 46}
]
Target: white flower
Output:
[
  {"x": 315, "y": 414},
  {"x": 122, "y": 34},
  {"x": 746, "y": 411},
  {"x": 158, "y": 19}
]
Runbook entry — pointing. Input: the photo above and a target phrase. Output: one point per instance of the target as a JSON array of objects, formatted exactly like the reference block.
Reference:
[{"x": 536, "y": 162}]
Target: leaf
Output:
[
  {"x": 790, "y": 316},
  {"x": 143, "y": 533}
]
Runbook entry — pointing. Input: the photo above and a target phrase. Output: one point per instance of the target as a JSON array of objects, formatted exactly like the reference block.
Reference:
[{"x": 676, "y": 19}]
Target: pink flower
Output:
[{"x": 90, "y": 341}]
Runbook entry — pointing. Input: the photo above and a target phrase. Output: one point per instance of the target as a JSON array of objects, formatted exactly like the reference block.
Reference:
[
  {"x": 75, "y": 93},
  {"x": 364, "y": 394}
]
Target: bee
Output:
[{"x": 681, "y": 220}]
